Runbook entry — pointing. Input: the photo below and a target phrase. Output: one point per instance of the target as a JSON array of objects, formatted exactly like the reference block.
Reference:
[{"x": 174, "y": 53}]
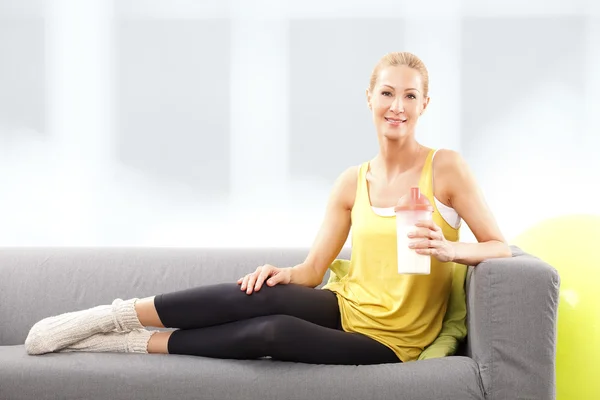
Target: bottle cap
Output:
[{"x": 413, "y": 201}]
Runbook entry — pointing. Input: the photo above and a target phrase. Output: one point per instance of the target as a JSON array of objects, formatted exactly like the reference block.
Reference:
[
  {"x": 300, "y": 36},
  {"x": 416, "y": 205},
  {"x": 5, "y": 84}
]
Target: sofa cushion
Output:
[{"x": 157, "y": 376}]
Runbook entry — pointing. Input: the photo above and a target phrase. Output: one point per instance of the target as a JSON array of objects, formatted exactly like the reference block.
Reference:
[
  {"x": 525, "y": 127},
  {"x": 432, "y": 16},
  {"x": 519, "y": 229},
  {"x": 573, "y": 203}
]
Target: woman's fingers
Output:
[
  {"x": 429, "y": 224},
  {"x": 244, "y": 282},
  {"x": 254, "y": 281},
  {"x": 262, "y": 277},
  {"x": 428, "y": 252},
  {"x": 425, "y": 244},
  {"x": 422, "y": 233},
  {"x": 426, "y": 232}
]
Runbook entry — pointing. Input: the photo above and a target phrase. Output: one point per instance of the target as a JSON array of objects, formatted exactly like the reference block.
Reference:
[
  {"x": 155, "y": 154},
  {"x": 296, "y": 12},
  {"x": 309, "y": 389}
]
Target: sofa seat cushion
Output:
[{"x": 156, "y": 376}]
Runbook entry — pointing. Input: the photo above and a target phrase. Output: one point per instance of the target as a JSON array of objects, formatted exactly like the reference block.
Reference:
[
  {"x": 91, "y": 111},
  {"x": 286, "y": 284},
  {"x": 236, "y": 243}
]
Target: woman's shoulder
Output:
[
  {"x": 449, "y": 171},
  {"x": 350, "y": 174},
  {"x": 448, "y": 160},
  {"x": 344, "y": 188}
]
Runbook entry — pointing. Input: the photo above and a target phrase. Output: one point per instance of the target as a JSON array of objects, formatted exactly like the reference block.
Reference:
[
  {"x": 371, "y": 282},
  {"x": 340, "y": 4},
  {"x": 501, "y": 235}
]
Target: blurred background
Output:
[{"x": 219, "y": 123}]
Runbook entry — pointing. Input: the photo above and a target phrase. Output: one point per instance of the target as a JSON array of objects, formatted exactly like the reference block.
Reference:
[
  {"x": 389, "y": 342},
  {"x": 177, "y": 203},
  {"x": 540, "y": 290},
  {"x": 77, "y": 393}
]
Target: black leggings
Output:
[{"x": 285, "y": 322}]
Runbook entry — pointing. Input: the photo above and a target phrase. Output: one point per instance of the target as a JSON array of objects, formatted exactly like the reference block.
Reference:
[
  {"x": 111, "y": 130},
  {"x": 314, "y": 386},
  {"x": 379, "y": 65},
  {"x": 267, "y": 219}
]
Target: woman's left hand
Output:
[{"x": 433, "y": 241}]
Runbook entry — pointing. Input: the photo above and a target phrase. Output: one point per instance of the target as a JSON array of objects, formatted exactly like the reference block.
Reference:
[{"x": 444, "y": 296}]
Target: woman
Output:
[{"x": 371, "y": 315}]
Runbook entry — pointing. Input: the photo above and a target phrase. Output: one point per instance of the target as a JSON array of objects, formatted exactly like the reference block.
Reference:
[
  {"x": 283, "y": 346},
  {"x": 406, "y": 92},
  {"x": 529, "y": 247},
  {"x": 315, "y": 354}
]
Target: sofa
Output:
[{"x": 509, "y": 352}]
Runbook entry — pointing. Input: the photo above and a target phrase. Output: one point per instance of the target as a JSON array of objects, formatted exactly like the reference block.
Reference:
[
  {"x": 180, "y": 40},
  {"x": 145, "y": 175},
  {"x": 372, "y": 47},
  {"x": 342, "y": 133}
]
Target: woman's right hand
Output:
[{"x": 269, "y": 273}]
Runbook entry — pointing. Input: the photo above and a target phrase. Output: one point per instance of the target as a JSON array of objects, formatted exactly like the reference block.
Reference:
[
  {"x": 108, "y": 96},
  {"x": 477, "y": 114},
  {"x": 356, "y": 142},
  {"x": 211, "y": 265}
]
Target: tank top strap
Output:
[
  {"x": 362, "y": 192},
  {"x": 426, "y": 180},
  {"x": 362, "y": 171}
]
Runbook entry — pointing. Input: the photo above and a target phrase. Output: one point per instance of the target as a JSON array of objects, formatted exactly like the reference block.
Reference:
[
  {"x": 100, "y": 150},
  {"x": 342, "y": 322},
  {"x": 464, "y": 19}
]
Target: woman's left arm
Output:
[{"x": 461, "y": 191}]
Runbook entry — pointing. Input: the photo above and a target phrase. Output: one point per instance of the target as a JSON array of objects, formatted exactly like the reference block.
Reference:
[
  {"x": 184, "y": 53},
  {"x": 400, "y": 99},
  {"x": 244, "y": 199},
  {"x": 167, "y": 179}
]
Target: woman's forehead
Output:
[{"x": 400, "y": 77}]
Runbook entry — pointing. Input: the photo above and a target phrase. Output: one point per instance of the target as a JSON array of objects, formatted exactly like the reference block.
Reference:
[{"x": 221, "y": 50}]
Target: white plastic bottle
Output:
[{"x": 411, "y": 208}]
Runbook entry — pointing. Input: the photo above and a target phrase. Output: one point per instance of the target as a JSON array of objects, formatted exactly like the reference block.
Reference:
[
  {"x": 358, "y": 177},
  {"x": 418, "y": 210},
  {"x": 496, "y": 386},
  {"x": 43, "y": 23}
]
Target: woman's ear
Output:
[
  {"x": 368, "y": 93},
  {"x": 425, "y": 104}
]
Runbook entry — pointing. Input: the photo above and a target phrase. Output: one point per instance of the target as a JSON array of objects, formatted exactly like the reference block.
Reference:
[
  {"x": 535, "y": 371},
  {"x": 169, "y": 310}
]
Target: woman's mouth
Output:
[{"x": 395, "y": 121}]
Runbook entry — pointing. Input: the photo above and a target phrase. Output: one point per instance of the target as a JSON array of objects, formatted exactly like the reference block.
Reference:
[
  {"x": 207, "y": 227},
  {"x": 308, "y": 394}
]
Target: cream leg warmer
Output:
[
  {"x": 55, "y": 333},
  {"x": 135, "y": 341}
]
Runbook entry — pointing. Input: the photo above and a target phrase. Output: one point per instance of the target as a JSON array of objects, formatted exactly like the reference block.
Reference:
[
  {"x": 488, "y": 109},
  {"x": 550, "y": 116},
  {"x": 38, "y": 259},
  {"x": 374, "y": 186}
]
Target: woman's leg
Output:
[
  {"x": 282, "y": 337},
  {"x": 211, "y": 305},
  {"x": 159, "y": 343},
  {"x": 191, "y": 308},
  {"x": 186, "y": 308}
]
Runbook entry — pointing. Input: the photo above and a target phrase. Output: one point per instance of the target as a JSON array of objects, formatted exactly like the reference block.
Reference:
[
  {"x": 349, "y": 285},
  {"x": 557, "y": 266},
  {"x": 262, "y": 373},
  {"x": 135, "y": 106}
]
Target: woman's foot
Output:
[
  {"x": 58, "y": 332},
  {"x": 135, "y": 341}
]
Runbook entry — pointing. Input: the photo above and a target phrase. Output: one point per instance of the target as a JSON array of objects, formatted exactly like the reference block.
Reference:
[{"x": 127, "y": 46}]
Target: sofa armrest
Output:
[{"x": 512, "y": 307}]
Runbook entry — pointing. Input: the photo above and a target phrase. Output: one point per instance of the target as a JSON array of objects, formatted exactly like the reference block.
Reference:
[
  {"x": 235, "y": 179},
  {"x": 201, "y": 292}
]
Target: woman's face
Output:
[{"x": 397, "y": 101}]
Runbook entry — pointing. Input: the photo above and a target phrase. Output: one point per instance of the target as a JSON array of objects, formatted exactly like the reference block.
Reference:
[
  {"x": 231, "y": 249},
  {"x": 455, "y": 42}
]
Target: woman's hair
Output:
[{"x": 401, "y": 58}]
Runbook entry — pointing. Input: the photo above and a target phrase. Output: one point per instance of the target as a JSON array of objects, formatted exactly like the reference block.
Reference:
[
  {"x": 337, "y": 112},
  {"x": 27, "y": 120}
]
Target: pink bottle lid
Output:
[{"x": 414, "y": 201}]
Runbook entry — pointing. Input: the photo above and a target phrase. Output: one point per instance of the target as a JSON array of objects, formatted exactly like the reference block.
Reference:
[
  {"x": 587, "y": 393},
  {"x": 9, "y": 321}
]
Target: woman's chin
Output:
[{"x": 395, "y": 134}]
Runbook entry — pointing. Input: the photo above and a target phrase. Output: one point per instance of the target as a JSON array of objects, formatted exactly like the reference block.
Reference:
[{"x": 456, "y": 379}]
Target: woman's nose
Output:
[{"x": 397, "y": 106}]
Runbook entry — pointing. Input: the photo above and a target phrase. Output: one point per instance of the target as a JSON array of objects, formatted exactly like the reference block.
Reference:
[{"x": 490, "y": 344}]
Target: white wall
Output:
[{"x": 225, "y": 123}]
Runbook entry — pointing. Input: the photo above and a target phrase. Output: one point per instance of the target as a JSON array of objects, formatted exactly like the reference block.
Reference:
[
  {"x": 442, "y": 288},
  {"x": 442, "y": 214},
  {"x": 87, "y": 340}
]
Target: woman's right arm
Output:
[
  {"x": 333, "y": 232},
  {"x": 327, "y": 245}
]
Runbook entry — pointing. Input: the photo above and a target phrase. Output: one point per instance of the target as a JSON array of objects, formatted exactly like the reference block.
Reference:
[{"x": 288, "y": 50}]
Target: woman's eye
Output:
[
  {"x": 386, "y": 93},
  {"x": 412, "y": 96}
]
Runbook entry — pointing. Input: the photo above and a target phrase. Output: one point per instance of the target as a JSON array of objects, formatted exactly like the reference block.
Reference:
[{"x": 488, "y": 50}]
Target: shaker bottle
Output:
[{"x": 411, "y": 208}]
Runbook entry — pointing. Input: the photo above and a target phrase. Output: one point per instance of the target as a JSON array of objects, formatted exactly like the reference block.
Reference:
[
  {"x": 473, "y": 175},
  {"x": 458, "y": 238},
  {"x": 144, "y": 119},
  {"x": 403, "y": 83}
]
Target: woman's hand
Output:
[
  {"x": 434, "y": 243},
  {"x": 254, "y": 280}
]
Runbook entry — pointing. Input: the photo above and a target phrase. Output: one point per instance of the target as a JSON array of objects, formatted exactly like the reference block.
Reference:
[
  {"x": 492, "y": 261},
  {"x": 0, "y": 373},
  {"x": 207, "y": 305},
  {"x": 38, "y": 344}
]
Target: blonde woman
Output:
[{"x": 371, "y": 315}]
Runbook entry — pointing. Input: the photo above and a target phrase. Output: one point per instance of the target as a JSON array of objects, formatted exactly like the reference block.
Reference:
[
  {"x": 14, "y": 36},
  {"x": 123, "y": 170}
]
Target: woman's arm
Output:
[
  {"x": 333, "y": 232},
  {"x": 328, "y": 244},
  {"x": 464, "y": 195}
]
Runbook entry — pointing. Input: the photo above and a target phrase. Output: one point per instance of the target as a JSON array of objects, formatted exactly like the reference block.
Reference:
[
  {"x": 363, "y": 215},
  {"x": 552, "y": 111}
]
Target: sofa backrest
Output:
[{"x": 39, "y": 282}]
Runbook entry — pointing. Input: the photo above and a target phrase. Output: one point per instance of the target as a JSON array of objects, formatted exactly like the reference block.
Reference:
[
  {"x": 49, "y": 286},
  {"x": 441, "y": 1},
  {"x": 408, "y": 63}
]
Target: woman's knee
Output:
[{"x": 274, "y": 332}]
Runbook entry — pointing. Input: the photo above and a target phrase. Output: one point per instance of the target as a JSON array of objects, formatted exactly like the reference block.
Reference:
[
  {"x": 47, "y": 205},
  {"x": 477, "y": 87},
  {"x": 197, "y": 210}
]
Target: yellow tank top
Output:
[{"x": 404, "y": 312}]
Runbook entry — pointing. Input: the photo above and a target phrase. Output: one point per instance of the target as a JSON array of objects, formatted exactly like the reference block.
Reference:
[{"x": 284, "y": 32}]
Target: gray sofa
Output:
[{"x": 509, "y": 354}]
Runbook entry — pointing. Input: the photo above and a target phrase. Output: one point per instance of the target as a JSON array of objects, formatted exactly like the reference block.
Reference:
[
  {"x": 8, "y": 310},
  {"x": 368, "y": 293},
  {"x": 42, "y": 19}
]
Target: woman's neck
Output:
[{"x": 395, "y": 157}]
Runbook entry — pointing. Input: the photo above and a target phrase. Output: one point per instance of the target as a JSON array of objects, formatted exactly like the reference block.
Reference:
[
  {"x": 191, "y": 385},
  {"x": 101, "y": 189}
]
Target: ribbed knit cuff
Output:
[
  {"x": 137, "y": 340},
  {"x": 126, "y": 318}
]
